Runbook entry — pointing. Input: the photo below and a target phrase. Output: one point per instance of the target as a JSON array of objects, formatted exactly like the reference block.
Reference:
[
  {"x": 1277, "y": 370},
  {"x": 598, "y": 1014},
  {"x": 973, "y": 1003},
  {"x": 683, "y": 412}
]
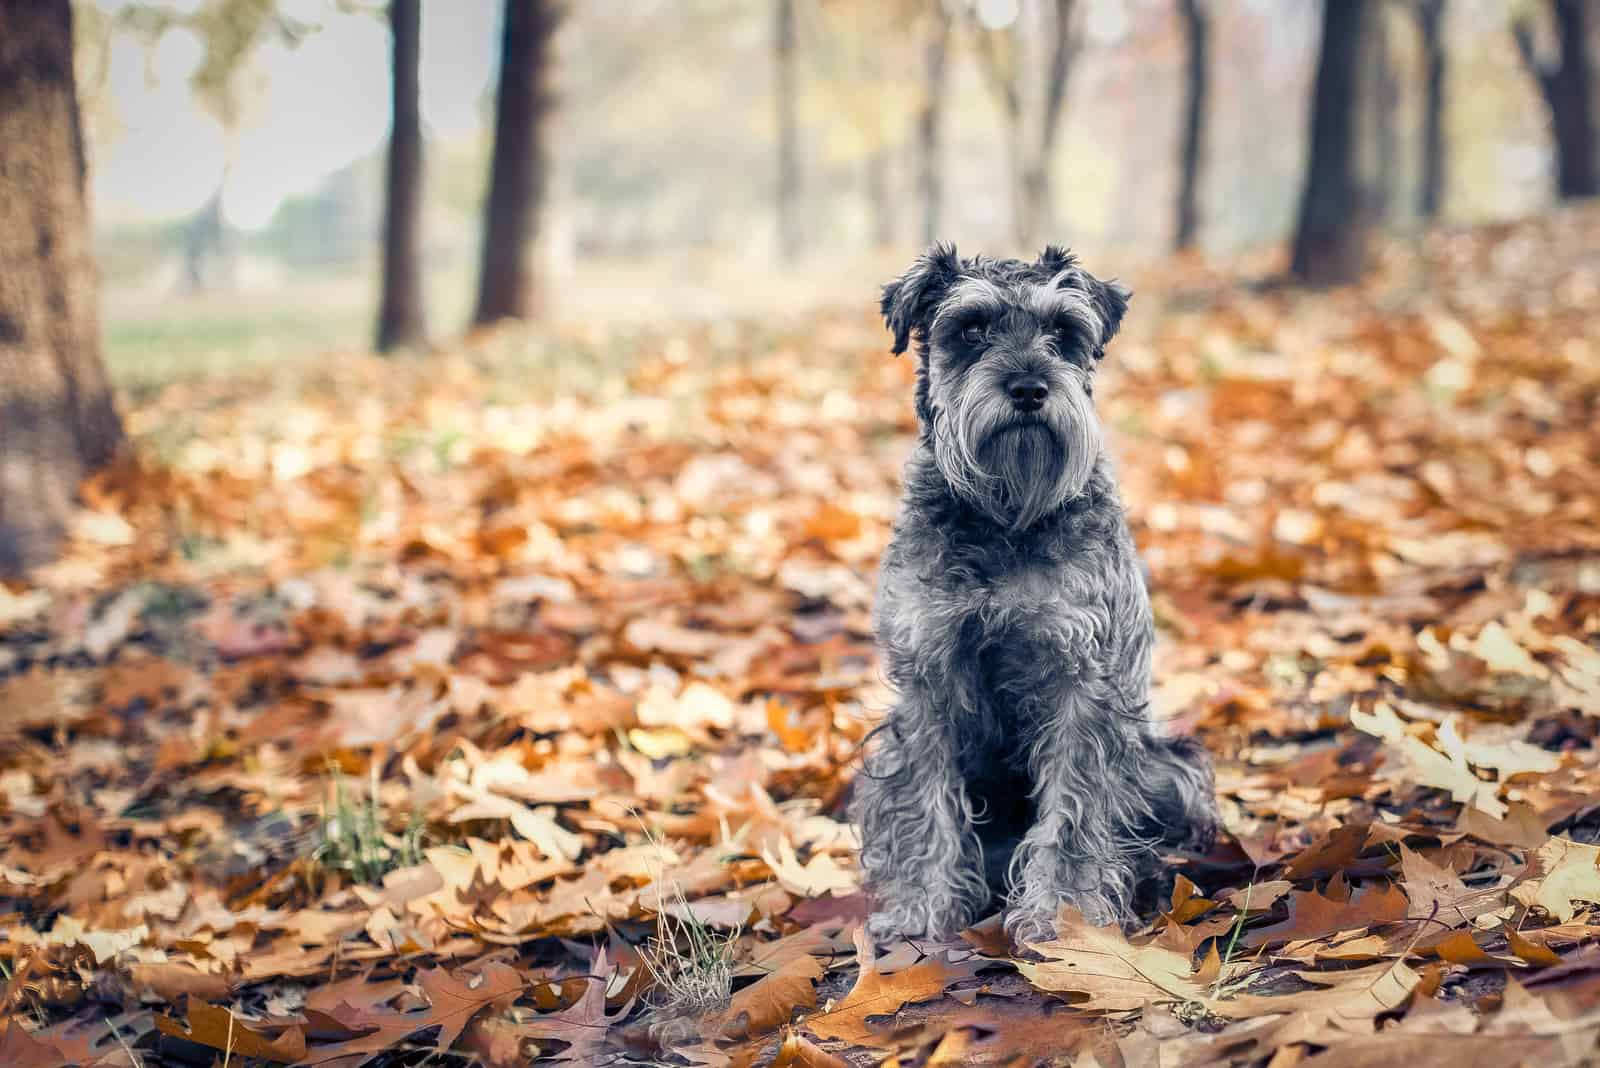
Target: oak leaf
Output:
[
  {"x": 1102, "y": 964},
  {"x": 772, "y": 999},
  {"x": 877, "y": 994}
]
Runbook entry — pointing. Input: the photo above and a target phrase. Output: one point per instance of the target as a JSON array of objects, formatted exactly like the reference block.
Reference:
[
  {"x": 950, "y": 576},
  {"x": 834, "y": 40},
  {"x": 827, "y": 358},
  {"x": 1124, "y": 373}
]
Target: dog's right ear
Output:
[{"x": 908, "y": 299}]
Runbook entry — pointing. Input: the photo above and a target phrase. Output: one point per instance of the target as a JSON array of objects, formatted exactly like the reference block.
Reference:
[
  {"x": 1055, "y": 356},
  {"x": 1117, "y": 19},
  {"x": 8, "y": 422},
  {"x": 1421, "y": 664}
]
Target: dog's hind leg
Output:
[
  {"x": 920, "y": 854},
  {"x": 1175, "y": 774}
]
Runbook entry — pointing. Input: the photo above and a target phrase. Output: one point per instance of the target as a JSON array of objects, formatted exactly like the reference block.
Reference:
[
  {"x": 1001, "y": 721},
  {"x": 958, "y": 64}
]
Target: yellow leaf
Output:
[{"x": 1569, "y": 875}]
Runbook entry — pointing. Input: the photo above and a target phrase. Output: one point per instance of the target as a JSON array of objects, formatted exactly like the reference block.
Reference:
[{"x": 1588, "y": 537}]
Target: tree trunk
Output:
[
  {"x": 930, "y": 123},
  {"x": 1032, "y": 119},
  {"x": 56, "y": 417},
  {"x": 1568, "y": 92},
  {"x": 519, "y": 169},
  {"x": 401, "y": 318},
  {"x": 1197, "y": 85},
  {"x": 202, "y": 245},
  {"x": 1330, "y": 238},
  {"x": 1430, "y": 26},
  {"x": 1382, "y": 101},
  {"x": 786, "y": 101},
  {"x": 881, "y": 197}
]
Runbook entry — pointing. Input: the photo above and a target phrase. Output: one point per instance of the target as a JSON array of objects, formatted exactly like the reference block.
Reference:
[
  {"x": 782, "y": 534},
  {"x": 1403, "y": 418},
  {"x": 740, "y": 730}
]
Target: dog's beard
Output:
[{"x": 1016, "y": 468}]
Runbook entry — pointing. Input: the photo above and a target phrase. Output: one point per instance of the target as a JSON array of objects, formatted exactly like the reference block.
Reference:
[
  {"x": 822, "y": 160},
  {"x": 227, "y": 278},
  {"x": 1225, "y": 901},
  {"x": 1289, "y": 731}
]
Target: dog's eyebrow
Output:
[
  {"x": 970, "y": 296},
  {"x": 1051, "y": 302}
]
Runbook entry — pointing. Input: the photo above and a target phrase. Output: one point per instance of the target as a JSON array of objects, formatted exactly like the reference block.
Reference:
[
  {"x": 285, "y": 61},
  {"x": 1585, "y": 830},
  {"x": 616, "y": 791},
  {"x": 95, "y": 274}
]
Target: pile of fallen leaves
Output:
[{"x": 438, "y": 711}]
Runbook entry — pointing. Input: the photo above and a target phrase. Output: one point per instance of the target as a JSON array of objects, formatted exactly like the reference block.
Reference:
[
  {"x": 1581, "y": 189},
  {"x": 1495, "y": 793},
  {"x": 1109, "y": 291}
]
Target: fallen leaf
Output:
[
  {"x": 876, "y": 994},
  {"x": 1113, "y": 974}
]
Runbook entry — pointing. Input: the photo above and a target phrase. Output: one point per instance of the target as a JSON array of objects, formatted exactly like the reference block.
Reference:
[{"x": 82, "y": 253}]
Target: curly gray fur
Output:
[{"x": 1020, "y": 765}]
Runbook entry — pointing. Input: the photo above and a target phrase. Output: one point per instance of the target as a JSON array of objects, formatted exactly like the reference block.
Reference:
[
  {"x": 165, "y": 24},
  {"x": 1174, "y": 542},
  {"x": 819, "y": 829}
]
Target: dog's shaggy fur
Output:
[{"x": 1020, "y": 764}]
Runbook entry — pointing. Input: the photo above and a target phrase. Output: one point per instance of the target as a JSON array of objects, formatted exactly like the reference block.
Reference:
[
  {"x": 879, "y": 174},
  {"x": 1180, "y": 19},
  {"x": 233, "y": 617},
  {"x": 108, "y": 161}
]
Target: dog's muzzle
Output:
[{"x": 1027, "y": 392}]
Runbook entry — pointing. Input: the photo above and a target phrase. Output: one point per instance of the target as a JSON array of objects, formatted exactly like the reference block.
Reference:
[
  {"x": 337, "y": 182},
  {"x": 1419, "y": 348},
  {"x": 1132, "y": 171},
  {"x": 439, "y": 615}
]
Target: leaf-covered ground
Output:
[{"x": 418, "y": 712}]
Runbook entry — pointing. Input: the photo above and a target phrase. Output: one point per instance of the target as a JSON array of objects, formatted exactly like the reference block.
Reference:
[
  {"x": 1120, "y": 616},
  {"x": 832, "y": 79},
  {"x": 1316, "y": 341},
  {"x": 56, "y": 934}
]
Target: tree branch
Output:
[{"x": 1001, "y": 80}]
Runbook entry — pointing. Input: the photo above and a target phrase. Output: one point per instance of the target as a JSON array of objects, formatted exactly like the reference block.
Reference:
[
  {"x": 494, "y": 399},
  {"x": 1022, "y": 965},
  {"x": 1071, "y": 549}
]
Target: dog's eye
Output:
[{"x": 974, "y": 333}]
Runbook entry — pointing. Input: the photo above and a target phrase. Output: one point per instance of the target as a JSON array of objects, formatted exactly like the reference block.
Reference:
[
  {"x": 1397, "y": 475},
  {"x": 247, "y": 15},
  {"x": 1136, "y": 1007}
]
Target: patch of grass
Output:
[
  {"x": 354, "y": 838},
  {"x": 691, "y": 962}
]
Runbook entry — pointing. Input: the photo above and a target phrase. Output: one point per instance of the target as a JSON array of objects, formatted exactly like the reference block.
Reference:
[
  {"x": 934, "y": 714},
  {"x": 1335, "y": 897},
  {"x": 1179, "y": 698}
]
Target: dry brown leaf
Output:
[
  {"x": 217, "y": 1027},
  {"x": 876, "y": 994},
  {"x": 771, "y": 1000},
  {"x": 1316, "y": 915},
  {"x": 1115, "y": 975},
  {"x": 1567, "y": 875}
]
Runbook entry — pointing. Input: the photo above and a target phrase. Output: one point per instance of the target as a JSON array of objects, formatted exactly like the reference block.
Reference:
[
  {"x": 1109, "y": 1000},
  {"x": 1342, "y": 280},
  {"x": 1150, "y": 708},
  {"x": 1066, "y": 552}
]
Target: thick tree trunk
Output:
[
  {"x": 1330, "y": 238},
  {"x": 519, "y": 170},
  {"x": 1569, "y": 93},
  {"x": 930, "y": 122},
  {"x": 56, "y": 417},
  {"x": 786, "y": 101},
  {"x": 401, "y": 318},
  {"x": 1430, "y": 27},
  {"x": 1197, "y": 85}
]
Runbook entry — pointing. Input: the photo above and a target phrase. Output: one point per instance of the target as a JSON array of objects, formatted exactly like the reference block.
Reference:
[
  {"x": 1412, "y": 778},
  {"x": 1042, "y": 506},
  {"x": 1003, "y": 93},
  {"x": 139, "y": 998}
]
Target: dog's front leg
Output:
[
  {"x": 920, "y": 854},
  {"x": 1078, "y": 850}
]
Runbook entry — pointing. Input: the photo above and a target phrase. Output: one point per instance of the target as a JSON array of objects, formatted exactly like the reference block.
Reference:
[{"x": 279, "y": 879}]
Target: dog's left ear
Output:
[
  {"x": 1111, "y": 302},
  {"x": 908, "y": 299},
  {"x": 1110, "y": 299}
]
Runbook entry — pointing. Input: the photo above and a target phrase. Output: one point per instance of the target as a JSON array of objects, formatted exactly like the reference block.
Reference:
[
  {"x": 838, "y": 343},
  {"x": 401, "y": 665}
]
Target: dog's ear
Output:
[
  {"x": 1055, "y": 259},
  {"x": 1111, "y": 302},
  {"x": 908, "y": 299}
]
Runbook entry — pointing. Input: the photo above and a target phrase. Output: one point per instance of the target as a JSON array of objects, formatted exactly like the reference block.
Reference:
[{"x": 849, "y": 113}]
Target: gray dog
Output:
[{"x": 1020, "y": 763}]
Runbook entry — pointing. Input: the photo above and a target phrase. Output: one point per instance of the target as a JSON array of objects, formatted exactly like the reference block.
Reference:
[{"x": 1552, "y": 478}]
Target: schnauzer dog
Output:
[{"x": 1020, "y": 764}]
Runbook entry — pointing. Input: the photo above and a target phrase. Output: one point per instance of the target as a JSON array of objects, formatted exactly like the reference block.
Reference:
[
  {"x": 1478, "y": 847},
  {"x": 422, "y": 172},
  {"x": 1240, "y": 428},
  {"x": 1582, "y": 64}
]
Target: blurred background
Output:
[
  {"x": 202, "y": 188},
  {"x": 706, "y": 155}
]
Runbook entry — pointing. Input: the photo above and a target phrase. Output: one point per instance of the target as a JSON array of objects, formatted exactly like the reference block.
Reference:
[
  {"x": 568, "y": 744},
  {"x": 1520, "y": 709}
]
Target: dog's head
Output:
[{"x": 1007, "y": 355}]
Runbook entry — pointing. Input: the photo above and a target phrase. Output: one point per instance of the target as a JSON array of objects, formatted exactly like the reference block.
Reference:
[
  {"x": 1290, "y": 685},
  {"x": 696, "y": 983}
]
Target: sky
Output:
[{"x": 322, "y": 105}]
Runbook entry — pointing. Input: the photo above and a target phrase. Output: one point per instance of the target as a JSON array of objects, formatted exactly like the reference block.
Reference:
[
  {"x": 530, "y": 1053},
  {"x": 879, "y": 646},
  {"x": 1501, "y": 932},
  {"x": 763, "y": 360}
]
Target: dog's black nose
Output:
[{"x": 1028, "y": 393}]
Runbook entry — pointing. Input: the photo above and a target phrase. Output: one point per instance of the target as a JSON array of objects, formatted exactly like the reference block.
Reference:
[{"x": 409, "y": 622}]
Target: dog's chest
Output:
[{"x": 1040, "y": 614}]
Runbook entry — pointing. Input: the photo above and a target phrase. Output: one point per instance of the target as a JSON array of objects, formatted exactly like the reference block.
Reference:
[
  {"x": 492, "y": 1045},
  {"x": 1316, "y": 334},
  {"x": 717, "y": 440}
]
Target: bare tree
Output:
[
  {"x": 930, "y": 118},
  {"x": 520, "y": 167},
  {"x": 1031, "y": 90},
  {"x": 1430, "y": 28},
  {"x": 1330, "y": 238},
  {"x": 1197, "y": 86},
  {"x": 402, "y": 321},
  {"x": 1380, "y": 98},
  {"x": 57, "y": 421},
  {"x": 1568, "y": 91},
  {"x": 787, "y": 104}
]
